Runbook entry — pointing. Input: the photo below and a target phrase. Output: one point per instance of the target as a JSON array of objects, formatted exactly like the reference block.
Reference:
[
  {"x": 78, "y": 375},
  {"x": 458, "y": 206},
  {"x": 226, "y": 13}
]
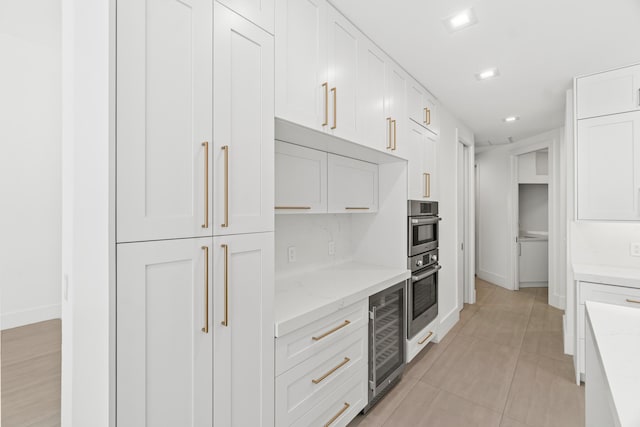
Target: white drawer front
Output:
[
  {"x": 618, "y": 295},
  {"x": 341, "y": 407},
  {"x": 420, "y": 341},
  {"x": 299, "y": 345},
  {"x": 301, "y": 388}
]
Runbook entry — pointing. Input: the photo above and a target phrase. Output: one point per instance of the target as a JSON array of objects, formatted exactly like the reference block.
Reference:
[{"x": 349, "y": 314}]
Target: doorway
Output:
[{"x": 466, "y": 224}]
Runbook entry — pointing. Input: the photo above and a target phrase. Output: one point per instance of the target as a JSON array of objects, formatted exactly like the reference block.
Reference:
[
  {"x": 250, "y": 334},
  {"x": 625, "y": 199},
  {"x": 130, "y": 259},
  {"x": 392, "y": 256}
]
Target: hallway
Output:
[{"x": 502, "y": 365}]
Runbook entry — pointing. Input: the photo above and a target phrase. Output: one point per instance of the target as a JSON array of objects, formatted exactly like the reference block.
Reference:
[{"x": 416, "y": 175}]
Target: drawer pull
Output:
[
  {"x": 356, "y": 209},
  {"x": 337, "y": 328},
  {"x": 635, "y": 301},
  {"x": 336, "y": 416},
  {"x": 331, "y": 371},
  {"x": 425, "y": 338}
]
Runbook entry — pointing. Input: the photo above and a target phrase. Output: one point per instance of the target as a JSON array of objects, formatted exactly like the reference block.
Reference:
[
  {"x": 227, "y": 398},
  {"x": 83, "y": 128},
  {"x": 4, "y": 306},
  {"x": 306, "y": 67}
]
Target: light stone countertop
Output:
[
  {"x": 309, "y": 296},
  {"x": 620, "y": 276},
  {"x": 616, "y": 330}
]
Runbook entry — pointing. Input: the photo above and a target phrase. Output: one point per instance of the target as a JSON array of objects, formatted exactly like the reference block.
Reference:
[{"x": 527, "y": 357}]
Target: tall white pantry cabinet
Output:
[{"x": 195, "y": 223}]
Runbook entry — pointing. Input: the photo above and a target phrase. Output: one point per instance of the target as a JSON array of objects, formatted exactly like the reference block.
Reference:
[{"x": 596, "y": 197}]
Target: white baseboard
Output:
[
  {"x": 496, "y": 279},
  {"x": 534, "y": 284},
  {"x": 557, "y": 301},
  {"x": 27, "y": 317},
  {"x": 448, "y": 322}
]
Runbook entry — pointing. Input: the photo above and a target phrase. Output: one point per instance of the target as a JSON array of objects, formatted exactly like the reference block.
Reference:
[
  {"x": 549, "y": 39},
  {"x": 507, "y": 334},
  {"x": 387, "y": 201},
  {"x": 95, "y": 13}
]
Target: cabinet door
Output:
[
  {"x": 260, "y": 12},
  {"x": 244, "y": 127},
  {"x": 416, "y": 142},
  {"x": 302, "y": 86},
  {"x": 608, "y": 93},
  {"x": 353, "y": 185},
  {"x": 164, "y": 113},
  {"x": 397, "y": 108},
  {"x": 164, "y": 355},
  {"x": 430, "y": 168},
  {"x": 301, "y": 179},
  {"x": 374, "y": 126},
  {"x": 344, "y": 41},
  {"x": 416, "y": 106},
  {"x": 243, "y": 330},
  {"x": 432, "y": 114},
  {"x": 608, "y": 163}
]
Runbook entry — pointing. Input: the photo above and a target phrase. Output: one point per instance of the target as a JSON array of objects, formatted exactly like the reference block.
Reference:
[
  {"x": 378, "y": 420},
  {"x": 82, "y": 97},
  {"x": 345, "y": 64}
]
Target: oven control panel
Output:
[{"x": 418, "y": 262}]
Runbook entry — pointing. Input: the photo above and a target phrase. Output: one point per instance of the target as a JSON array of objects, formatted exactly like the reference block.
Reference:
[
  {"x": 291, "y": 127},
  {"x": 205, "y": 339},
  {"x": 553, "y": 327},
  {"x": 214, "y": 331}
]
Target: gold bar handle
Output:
[
  {"x": 206, "y": 184},
  {"x": 633, "y": 301},
  {"x": 325, "y": 85},
  {"x": 336, "y": 416},
  {"x": 425, "y": 338},
  {"x": 428, "y": 116},
  {"x": 225, "y": 148},
  {"x": 395, "y": 135},
  {"x": 293, "y": 207},
  {"x": 335, "y": 108},
  {"x": 427, "y": 184},
  {"x": 390, "y": 133},
  {"x": 225, "y": 322},
  {"x": 331, "y": 371},
  {"x": 356, "y": 209},
  {"x": 206, "y": 289},
  {"x": 337, "y": 328}
]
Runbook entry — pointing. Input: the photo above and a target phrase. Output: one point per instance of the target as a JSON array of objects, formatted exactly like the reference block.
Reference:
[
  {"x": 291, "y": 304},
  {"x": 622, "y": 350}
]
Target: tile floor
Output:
[{"x": 502, "y": 365}]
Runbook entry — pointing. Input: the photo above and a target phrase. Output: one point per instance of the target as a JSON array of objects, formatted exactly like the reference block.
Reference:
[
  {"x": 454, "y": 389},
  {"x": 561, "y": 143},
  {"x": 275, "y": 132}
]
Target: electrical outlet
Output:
[
  {"x": 635, "y": 249},
  {"x": 291, "y": 251},
  {"x": 332, "y": 248}
]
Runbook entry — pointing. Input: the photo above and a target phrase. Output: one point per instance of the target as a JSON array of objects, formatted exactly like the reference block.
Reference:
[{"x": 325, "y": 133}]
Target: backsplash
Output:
[
  {"x": 605, "y": 243},
  {"x": 310, "y": 235}
]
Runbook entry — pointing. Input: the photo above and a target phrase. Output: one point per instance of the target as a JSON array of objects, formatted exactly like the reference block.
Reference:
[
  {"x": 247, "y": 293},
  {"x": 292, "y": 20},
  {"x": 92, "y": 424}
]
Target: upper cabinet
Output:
[
  {"x": 422, "y": 178},
  {"x": 164, "y": 110},
  {"x": 243, "y": 125},
  {"x": 376, "y": 129},
  {"x": 353, "y": 185},
  {"x": 608, "y": 167},
  {"x": 422, "y": 107},
  {"x": 397, "y": 108},
  {"x": 610, "y": 92},
  {"x": 260, "y": 12}
]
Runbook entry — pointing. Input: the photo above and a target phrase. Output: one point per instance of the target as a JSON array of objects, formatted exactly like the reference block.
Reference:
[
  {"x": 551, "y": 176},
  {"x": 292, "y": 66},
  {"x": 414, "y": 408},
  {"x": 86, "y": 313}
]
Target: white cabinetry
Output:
[
  {"x": 164, "y": 109},
  {"x": 422, "y": 107},
  {"x": 300, "y": 179},
  {"x": 376, "y": 130},
  {"x": 422, "y": 164},
  {"x": 610, "y": 92},
  {"x": 165, "y": 355},
  {"x": 608, "y": 167},
  {"x": 534, "y": 263},
  {"x": 242, "y": 324},
  {"x": 260, "y": 12},
  {"x": 353, "y": 185},
  {"x": 397, "y": 108},
  {"x": 243, "y": 125}
]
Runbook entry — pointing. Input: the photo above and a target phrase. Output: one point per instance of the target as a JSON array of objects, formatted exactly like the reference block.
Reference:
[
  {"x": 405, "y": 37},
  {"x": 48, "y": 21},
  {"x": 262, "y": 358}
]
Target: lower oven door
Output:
[{"x": 422, "y": 300}]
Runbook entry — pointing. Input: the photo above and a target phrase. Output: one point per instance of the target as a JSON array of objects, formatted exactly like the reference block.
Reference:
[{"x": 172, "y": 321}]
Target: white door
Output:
[
  {"x": 164, "y": 114},
  {"x": 243, "y": 330},
  {"x": 353, "y": 185},
  {"x": 164, "y": 353},
  {"x": 417, "y": 148},
  {"x": 416, "y": 103},
  {"x": 609, "y": 167},
  {"x": 373, "y": 124},
  {"x": 244, "y": 127},
  {"x": 344, "y": 45},
  {"x": 431, "y": 114},
  {"x": 302, "y": 85},
  {"x": 461, "y": 219},
  {"x": 260, "y": 12},
  {"x": 430, "y": 161},
  {"x": 611, "y": 92},
  {"x": 397, "y": 109},
  {"x": 301, "y": 179}
]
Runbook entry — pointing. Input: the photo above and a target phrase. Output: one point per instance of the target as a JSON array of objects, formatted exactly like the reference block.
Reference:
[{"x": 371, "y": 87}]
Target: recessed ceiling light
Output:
[
  {"x": 488, "y": 74},
  {"x": 460, "y": 20},
  {"x": 510, "y": 119}
]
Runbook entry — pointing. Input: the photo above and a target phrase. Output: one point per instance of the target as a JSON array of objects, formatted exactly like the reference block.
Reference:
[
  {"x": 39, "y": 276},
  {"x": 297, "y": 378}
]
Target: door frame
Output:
[{"x": 467, "y": 234}]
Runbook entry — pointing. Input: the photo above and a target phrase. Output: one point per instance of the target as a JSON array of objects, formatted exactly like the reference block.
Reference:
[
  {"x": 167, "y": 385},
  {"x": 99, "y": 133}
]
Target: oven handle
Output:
[
  {"x": 427, "y": 274},
  {"x": 432, "y": 220}
]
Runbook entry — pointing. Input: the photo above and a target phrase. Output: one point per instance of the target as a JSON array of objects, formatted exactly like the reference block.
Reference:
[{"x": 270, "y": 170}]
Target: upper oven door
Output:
[{"x": 423, "y": 234}]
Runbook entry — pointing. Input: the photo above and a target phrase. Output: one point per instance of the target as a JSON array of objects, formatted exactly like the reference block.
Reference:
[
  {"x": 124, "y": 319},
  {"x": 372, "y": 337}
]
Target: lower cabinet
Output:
[
  {"x": 418, "y": 343},
  {"x": 190, "y": 311}
]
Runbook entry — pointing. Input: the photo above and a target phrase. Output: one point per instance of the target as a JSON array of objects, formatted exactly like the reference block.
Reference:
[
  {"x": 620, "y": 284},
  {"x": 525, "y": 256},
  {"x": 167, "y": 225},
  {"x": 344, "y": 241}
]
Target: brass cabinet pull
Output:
[
  {"x": 293, "y": 207},
  {"x": 426, "y": 115},
  {"x": 425, "y": 338},
  {"x": 633, "y": 301},
  {"x": 395, "y": 135},
  {"x": 428, "y": 122},
  {"x": 337, "y": 328},
  {"x": 427, "y": 184},
  {"x": 356, "y": 209},
  {"x": 206, "y": 184},
  {"x": 206, "y": 289},
  {"x": 390, "y": 134},
  {"x": 325, "y": 85},
  {"x": 225, "y": 322},
  {"x": 225, "y": 148},
  {"x": 331, "y": 371},
  {"x": 335, "y": 108},
  {"x": 336, "y": 416}
]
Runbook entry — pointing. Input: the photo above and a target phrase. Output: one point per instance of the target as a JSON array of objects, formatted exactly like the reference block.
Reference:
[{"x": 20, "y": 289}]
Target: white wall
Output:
[
  {"x": 30, "y": 175},
  {"x": 534, "y": 207},
  {"x": 604, "y": 243}
]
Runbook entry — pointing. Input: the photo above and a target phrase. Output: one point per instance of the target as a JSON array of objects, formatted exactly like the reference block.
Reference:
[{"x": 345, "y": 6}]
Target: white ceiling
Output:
[{"x": 538, "y": 46}]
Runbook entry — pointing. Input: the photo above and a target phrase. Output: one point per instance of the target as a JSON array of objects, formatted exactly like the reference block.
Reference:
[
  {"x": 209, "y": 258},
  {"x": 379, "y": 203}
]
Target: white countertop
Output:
[
  {"x": 616, "y": 330},
  {"x": 306, "y": 297},
  {"x": 620, "y": 276}
]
